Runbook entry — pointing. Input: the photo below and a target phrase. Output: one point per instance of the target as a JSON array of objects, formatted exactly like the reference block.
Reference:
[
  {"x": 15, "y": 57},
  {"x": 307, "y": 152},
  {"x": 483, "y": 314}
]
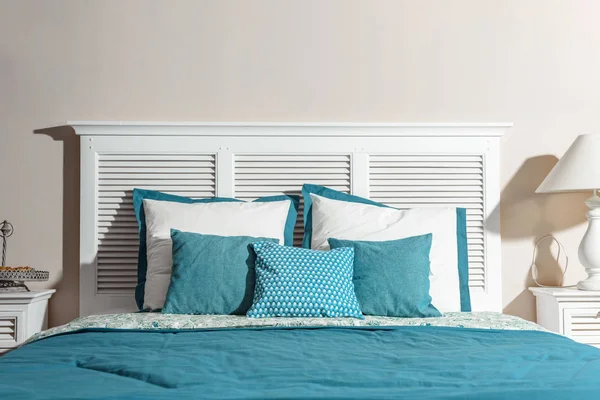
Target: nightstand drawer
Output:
[
  {"x": 582, "y": 325},
  {"x": 11, "y": 326},
  {"x": 22, "y": 314}
]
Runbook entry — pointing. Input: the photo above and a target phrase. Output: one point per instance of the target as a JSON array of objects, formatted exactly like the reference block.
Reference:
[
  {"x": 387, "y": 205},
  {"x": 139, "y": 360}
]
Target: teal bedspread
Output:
[{"x": 425, "y": 362}]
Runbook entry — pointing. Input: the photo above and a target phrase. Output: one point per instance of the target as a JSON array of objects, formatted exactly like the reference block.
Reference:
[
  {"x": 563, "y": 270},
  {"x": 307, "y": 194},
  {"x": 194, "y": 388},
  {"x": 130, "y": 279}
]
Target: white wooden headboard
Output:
[{"x": 403, "y": 165}]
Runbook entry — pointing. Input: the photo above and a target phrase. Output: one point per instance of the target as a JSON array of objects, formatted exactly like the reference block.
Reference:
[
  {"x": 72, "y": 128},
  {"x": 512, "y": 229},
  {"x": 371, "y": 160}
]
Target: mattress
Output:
[{"x": 156, "y": 356}]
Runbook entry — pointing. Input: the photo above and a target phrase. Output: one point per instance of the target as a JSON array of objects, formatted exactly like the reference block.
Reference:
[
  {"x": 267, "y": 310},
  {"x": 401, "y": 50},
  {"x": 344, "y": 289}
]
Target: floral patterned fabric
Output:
[{"x": 157, "y": 321}]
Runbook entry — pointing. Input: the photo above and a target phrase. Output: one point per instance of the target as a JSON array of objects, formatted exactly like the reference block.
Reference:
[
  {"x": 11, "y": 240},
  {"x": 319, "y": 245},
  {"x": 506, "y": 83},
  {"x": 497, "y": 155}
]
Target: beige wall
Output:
[{"x": 534, "y": 63}]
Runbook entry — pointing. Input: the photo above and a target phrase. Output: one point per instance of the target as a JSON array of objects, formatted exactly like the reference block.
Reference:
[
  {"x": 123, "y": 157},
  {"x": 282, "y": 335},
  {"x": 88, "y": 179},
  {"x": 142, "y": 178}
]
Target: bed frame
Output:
[{"x": 403, "y": 165}]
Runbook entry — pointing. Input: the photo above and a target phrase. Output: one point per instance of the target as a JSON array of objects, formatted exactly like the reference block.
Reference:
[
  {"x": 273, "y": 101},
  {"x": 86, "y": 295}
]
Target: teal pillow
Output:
[
  {"x": 138, "y": 205},
  {"x": 294, "y": 282},
  {"x": 391, "y": 278},
  {"x": 211, "y": 274},
  {"x": 461, "y": 232}
]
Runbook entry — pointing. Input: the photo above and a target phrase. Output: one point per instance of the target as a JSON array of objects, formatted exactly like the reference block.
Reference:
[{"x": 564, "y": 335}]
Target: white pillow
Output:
[
  {"x": 356, "y": 221},
  {"x": 264, "y": 219}
]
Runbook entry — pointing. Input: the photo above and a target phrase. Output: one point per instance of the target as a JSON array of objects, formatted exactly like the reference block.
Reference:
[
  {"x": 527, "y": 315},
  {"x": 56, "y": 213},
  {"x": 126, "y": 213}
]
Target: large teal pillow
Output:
[
  {"x": 391, "y": 278},
  {"x": 294, "y": 282},
  {"x": 211, "y": 274},
  {"x": 461, "y": 232},
  {"x": 138, "y": 205}
]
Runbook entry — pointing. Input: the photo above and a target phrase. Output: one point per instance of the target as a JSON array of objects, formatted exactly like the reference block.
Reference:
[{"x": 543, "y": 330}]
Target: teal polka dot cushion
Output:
[{"x": 295, "y": 282}]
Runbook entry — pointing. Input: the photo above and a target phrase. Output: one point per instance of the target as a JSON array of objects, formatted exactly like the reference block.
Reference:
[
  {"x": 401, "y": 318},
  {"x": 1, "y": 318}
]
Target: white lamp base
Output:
[
  {"x": 590, "y": 283},
  {"x": 589, "y": 249}
]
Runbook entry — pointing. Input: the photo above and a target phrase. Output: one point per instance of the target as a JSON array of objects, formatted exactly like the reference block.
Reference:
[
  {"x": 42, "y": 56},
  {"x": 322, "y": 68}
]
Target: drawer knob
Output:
[{"x": 598, "y": 315}]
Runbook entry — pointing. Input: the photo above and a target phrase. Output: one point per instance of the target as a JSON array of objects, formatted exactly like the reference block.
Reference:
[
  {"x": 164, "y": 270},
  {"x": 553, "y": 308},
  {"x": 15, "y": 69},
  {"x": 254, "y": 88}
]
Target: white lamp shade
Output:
[{"x": 578, "y": 169}]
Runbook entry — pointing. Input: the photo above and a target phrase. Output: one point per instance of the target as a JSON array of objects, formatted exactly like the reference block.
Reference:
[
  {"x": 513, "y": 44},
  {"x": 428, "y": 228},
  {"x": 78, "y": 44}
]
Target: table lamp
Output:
[{"x": 579, "y": 170}]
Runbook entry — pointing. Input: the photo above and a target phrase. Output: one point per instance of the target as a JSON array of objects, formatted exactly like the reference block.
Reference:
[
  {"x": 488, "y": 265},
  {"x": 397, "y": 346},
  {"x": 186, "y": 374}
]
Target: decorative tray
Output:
[{"x": 23, "y": 274}]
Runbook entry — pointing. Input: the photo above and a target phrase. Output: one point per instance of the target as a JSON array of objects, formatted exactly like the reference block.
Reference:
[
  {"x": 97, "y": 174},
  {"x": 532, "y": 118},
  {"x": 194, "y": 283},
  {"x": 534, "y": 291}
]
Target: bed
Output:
[
  {"x": 481, "y": 355},
  {"x": 113, "y": 352}
]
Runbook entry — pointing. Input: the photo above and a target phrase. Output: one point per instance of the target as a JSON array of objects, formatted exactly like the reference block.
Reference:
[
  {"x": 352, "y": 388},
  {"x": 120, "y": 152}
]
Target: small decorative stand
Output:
[
  {"x": 6, "y": 231},
  {"x": 12, "y": 279}
]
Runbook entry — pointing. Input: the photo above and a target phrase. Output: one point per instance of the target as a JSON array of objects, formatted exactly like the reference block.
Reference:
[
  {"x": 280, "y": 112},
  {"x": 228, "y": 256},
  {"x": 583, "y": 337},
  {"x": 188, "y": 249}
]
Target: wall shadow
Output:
[
  {"x": 526, "y": 214},
  {"x": 64, "y": 305}
]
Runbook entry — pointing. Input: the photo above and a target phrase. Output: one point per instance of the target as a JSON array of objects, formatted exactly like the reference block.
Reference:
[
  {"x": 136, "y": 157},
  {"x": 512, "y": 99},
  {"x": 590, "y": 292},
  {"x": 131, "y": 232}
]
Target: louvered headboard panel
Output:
[
  {"x": 407, "y": 181},
  {"x": 191, "y": 175},
  {"x": 414, "y": 165}
]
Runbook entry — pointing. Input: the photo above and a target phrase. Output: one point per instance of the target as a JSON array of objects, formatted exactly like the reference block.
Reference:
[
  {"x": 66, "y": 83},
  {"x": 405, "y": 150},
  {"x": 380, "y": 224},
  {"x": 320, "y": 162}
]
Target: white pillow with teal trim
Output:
[
  {"x": 356, "y": 221},
  {"x": 295, "y": 282},
  {"x": 254, "y": 219}
]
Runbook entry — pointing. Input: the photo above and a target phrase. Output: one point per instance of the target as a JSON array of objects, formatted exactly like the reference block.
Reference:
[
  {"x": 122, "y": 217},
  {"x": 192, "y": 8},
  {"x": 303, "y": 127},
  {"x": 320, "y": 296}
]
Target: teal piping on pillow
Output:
[
  {"x": 140, "y": 194},
  {"x": 463, "y": 259},
  {"x": 461, "y": 230}
]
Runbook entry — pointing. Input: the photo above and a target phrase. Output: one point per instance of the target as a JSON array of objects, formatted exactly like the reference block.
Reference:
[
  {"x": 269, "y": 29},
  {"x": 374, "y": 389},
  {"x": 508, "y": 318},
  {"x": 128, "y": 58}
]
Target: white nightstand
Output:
[
  {"x": 21, "y": 315},
  {"x": 570, "y": 312}
]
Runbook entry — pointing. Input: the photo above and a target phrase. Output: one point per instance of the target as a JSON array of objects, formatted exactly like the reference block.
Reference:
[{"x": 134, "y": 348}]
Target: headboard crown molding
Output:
[{"x": 278, "y": 129}]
